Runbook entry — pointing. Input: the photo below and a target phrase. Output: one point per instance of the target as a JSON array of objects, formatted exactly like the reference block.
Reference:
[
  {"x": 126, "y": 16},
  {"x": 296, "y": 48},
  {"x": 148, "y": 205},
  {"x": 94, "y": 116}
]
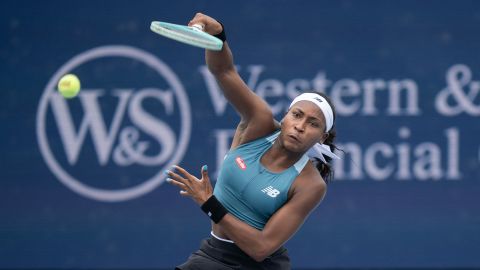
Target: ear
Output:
[{"x": 324, "y": 137}]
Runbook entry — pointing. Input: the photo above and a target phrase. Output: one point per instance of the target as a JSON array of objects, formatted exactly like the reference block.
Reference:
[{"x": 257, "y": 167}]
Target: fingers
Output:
[
  {"x": 178, "y": 179},
  {"x": 204, "y": 172},
  {"x": 177, "y": 183},
  {"x": 188, "y": 184},
  {"x": 199, "y": 18},
  {"x": 184, "y": 172},
  {"x": 184, "y": 188}
]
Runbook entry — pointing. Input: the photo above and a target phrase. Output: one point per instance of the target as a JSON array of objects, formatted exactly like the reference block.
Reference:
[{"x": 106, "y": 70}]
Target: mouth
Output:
[{"x": 293, "y": 137}]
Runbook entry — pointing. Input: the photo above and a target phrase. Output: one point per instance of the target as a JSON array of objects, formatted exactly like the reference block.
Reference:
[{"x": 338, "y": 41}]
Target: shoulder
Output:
[
  {"x": 253, "y": 130},
  {"x": 241, "y": 139}
]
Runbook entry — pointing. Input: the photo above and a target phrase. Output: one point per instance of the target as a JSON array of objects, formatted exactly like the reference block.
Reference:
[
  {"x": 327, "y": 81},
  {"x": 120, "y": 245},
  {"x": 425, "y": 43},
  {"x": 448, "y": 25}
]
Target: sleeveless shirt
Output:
[{"x": 247, "y": 189}]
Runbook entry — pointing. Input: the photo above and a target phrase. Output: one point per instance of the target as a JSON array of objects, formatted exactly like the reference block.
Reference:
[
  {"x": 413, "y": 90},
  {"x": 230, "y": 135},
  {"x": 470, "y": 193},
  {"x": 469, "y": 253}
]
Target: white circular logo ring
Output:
[{"x": 150, "y": 184}]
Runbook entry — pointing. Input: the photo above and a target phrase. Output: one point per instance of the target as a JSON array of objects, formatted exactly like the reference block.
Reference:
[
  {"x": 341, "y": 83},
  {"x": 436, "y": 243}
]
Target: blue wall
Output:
[{"x": 81, "y": 183}]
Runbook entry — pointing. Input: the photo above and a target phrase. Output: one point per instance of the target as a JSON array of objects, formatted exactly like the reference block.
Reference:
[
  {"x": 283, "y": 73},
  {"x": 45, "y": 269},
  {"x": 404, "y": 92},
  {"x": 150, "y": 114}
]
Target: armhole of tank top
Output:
[{"x": 298, "y": 167}]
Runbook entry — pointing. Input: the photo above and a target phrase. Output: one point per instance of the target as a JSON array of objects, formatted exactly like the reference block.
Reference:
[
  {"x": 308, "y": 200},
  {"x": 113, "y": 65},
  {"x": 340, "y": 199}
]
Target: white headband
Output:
[
  {"x": 322, "y": 103},
  {"x": 318, "y": 150}
]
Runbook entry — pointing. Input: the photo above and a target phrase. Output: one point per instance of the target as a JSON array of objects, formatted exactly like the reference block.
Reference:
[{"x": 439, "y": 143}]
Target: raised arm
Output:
[{"x": 256, "y": 116}]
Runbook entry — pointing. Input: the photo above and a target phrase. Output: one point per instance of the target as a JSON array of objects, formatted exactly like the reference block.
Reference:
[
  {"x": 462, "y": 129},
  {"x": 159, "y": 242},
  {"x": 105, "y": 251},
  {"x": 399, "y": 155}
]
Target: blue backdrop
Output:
[{"x": 81, "y": 183}]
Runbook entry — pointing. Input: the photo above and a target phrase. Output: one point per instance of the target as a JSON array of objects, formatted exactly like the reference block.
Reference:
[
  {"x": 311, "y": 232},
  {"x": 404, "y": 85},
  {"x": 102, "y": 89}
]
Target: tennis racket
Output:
[{"x": 192, "y": 35}]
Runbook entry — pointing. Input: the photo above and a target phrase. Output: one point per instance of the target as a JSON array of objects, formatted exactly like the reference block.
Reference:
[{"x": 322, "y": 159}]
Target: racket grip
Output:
[{"x": 198, "y": 27}]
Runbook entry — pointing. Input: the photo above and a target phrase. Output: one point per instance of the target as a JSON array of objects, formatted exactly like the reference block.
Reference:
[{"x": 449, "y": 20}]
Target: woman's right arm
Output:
[{"x": 256, "y": 116}]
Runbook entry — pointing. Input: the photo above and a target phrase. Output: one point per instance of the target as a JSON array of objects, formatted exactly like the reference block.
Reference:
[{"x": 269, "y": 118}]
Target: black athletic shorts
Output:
[{"x": 215, "y": 254}]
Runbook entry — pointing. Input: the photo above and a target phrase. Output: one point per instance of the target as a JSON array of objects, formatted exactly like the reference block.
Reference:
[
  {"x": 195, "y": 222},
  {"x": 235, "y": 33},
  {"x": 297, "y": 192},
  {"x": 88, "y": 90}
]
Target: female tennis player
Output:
[{"x": 268, "y": 183}]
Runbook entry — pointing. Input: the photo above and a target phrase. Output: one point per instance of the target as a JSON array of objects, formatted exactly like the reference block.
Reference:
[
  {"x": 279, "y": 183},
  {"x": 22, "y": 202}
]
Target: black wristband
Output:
[
  {"x": 221, "y": 35},
  {"x": 214, "y": 209}
]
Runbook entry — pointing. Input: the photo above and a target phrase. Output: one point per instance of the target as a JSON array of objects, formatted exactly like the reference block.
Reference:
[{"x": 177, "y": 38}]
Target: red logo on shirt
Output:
[{"x": 241, "y": 164}]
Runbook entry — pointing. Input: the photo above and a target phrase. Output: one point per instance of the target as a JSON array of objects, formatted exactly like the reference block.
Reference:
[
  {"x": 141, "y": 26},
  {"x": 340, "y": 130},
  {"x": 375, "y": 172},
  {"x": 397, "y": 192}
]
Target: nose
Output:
[{"x": 300, "y": 126}]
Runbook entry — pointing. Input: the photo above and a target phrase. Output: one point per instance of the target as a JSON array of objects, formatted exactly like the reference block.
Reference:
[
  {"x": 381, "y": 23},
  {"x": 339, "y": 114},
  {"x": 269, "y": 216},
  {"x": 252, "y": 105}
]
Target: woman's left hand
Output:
[{"x": 200, "y": 190}]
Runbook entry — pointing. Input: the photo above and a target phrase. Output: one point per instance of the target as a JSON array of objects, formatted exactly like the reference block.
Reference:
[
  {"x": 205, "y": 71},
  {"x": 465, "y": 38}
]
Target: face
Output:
[{"x": 302, "y": 127}]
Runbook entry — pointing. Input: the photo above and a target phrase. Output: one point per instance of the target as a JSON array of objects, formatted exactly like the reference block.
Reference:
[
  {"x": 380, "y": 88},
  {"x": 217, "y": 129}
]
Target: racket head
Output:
[{"x": 186, "y": 34}]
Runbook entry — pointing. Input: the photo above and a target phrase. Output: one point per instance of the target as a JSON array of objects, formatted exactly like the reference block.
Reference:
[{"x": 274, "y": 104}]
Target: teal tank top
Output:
[{"x": 250, "y": 191}]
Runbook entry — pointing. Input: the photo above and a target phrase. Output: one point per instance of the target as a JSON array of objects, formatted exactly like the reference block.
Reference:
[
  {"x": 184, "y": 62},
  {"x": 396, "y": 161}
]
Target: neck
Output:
[{"x": 277, "y": 158}]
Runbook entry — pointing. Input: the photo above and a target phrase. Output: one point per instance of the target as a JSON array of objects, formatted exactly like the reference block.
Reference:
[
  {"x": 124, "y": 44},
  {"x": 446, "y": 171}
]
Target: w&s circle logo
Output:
[{"x": 130, "y": 122}]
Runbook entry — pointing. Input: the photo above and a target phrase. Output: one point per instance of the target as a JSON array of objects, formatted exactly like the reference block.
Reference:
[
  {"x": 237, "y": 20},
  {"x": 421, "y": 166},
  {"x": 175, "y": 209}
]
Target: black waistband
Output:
[{"x": 233, "y": 248}]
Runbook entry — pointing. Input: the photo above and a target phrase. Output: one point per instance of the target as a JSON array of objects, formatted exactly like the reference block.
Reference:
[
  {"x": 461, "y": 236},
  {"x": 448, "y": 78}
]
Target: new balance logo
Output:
[
  {"x": 272, "y": 192},
  {"x": 318, "y": 99}
]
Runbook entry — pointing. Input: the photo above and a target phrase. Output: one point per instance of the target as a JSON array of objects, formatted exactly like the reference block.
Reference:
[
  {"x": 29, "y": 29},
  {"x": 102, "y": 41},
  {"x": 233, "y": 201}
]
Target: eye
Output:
[
  {"x": 296, "y": 114},
  {"x": 314, "y": 124}
]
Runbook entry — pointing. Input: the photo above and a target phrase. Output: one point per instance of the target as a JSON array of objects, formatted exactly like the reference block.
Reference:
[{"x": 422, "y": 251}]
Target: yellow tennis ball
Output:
[{"x": 69, "y": 86}]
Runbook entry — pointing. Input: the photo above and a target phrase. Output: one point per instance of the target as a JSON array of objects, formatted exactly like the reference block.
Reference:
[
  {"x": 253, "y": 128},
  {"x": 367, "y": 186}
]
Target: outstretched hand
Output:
[{"x": 198, "y": 189}]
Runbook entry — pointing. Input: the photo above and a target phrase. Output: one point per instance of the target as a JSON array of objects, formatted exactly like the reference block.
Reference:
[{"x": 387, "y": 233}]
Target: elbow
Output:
[
  {"x": 259, "y": 258},
  {"x": 260, "y": 253}
]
